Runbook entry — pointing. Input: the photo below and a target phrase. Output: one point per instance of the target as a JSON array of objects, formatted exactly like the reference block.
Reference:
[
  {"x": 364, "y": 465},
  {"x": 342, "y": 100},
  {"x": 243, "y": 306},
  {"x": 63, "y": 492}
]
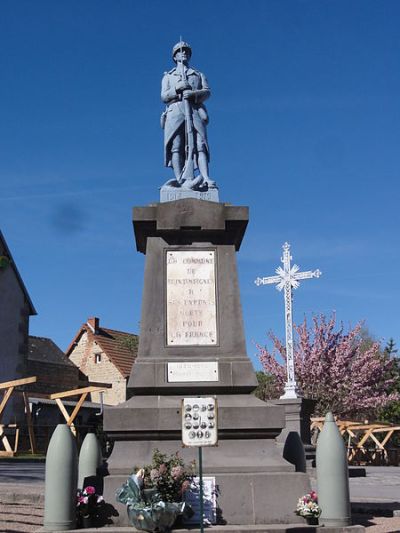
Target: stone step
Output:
[
  {"x": 262, "y": 528},
  {"x": 27, "y": 494}
]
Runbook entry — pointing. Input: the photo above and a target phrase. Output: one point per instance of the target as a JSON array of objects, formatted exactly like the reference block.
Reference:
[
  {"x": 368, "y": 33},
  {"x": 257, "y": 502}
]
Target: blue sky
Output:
[{"x": 305, "y": 129}]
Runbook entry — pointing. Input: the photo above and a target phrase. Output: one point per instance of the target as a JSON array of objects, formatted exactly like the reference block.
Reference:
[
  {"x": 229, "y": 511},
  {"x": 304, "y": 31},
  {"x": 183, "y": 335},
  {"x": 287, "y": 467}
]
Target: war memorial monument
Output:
[{"x": 192, "y": 340}]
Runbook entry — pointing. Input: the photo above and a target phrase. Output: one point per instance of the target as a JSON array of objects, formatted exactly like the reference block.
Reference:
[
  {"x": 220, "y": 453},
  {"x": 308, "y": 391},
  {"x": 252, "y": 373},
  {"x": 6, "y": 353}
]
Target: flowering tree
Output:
[{"x": 334, "y": 368}]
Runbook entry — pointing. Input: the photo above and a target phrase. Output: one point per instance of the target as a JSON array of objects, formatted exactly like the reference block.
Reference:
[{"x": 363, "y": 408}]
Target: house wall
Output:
[
  {"x": 14, "y": 325},
  {"x": 84, "y": 356}
]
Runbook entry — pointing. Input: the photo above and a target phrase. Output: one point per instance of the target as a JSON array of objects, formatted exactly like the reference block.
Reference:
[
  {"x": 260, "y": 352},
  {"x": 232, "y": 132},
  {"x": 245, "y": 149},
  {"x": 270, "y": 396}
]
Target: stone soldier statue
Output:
[{"x": 184, "y": 121}]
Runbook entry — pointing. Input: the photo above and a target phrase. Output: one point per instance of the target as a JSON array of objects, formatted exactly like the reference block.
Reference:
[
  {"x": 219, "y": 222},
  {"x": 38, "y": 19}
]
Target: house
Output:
[
  {"x": 15, "y": 309},
  {"x": 104, "y": 355},
  {"x": 54, "y": 371}
]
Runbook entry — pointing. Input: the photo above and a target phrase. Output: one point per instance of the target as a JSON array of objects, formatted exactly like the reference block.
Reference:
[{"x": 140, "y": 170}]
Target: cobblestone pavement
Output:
[{"x": 19, "y": 517}]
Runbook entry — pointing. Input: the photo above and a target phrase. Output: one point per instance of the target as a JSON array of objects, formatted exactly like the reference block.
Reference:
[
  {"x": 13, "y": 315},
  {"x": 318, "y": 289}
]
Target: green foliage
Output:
[
  {"x": 266, "y": 386},
  {"x": 390, "y": 348},
  {"x": 4, "y": 262},
  {"x": 391, "y": 412},
  {"x": 129, "y": 341}
]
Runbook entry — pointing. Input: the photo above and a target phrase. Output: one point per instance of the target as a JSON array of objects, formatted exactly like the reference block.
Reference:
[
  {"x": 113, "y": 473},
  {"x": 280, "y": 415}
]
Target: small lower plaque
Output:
[
  {"x": 192, "y": 497},
  {"x": 184, "y": 372}
]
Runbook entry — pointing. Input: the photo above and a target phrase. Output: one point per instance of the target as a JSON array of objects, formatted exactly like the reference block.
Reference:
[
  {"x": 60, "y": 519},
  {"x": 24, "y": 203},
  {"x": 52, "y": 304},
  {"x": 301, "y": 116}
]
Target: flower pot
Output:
[
  {"x": 87, "y": 522},
  {"x": 149, "y": 495},
  {"x": 311, "y": 520}
]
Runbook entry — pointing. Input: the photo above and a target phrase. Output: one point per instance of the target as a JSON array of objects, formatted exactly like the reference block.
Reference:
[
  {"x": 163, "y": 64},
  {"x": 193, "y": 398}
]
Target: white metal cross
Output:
[{"x": 287, "y": 278}]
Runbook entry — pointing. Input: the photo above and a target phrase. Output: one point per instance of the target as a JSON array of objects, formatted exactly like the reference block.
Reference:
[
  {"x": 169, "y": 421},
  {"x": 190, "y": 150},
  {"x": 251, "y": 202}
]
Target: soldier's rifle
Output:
[{"x": 188, "y": 169}]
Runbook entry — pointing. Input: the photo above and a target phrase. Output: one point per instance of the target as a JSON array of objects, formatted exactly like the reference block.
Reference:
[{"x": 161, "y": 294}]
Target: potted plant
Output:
[
  {"x": 88, "y": 506},
  {"x": 154, "y": 494},
  {"x": 308, "y": 508}
]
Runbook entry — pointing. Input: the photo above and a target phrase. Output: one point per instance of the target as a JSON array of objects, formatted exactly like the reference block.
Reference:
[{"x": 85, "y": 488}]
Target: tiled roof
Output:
[
  {"x": 46, "y": 351},
  {"x": 114, "y": 345}
]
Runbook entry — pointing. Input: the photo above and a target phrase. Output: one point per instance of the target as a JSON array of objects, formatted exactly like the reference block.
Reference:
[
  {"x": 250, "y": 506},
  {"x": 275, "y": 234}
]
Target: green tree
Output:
[
  {"x": 391, "y": 412},
  {"x": 266, "y": 386},
  {"x": 390, "y": 348}
]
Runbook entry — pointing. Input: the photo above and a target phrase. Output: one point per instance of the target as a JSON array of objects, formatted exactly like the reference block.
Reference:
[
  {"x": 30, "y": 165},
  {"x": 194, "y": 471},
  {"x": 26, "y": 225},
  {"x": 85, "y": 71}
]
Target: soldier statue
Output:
[{"x": 184, "y": 121}]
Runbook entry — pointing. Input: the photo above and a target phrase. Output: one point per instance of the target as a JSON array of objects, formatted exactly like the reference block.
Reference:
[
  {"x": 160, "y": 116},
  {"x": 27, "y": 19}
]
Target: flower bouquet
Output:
[
  {"x": 308, "y": 508},
  {"x": 88, "y": 506},
  {"x": 154, "y": 494}
]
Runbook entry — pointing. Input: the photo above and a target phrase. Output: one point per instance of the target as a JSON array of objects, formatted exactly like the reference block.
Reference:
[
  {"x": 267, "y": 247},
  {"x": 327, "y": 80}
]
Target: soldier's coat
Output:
[{"x": 175, "y": 113}]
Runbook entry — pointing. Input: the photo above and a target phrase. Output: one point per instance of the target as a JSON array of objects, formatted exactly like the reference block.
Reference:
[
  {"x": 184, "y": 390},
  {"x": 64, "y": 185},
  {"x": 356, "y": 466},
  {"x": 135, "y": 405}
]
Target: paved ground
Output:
[
  {"x": 26, "y": 472},
  {"x": 22, "y": 488}
]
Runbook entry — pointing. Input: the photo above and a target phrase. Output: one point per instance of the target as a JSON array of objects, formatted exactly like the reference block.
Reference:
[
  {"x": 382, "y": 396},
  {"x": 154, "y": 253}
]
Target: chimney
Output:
[{"x": 93, "y": 324}]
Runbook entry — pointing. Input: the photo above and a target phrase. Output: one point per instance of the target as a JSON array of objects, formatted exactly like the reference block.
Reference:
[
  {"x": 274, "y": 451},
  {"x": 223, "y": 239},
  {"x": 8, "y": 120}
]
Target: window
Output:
[{"x": 97, "y": 358}]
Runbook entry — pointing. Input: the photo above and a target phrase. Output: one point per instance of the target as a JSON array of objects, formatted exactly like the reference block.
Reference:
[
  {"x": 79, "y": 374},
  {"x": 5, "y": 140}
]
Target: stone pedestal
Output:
[
  {"x": 256, "y": 485},
  {"x": 297, "y": 416}
]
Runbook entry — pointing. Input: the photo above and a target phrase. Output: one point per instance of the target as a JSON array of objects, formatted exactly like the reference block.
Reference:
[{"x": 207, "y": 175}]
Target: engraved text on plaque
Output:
[{"x": 191, "y": 300}]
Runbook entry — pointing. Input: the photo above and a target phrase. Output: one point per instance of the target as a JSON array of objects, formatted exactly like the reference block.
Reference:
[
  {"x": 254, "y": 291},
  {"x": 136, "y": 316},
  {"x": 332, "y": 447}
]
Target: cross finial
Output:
[{"x": 287, "y": 278}]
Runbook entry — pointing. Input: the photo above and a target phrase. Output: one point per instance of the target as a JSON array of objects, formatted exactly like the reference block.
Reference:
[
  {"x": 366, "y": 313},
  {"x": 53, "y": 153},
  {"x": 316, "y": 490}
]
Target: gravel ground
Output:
[{"x": 29, "y": 519}]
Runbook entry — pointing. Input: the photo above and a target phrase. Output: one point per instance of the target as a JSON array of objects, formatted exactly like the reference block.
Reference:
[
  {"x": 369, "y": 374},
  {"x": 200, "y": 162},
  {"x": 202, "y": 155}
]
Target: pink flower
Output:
[
  {"x": 90, "y": 490},
  {"x": 154, "y": 474},
  {"x": 177, "y": 472},
  {"x": 185, "y": 486},
  {"x": 163, "y": 469}
]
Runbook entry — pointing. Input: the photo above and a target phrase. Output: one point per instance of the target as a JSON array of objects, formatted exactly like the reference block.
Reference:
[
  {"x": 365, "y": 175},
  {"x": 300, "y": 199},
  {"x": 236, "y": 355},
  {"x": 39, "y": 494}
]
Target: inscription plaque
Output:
[
  {"x": 186, "y": 371},
  {"x": 191, "y": 298}
]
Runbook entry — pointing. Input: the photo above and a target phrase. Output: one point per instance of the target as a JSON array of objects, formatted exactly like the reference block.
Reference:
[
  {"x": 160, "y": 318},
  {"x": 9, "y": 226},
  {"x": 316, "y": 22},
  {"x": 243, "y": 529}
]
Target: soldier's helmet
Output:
[{"x": 179, "y": 46}]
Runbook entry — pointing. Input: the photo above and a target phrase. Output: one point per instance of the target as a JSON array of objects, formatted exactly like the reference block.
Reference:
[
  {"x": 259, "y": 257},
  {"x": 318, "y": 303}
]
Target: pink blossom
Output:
[
  {"x": 333, "y": 367},
  {"x": 154, "y": 474},
  {"x": 177, "y": 472},
  {"x": 162, "y": 469},
  {"x": 90, "y": 490},
  {"x": 185, "y": 486}
]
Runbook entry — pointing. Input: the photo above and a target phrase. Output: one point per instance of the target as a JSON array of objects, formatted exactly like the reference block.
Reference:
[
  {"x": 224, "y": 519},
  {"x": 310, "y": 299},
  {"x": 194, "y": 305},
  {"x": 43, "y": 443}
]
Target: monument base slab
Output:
[
  {"x": 192, "y": 343},
  {"x": 170, "y": 194}
]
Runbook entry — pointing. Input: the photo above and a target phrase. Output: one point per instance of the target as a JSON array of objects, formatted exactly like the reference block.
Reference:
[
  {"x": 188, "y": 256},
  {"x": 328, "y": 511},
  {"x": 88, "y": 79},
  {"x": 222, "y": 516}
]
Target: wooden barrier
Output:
[
  {"x": 9, "y": 387},
  {"x": 366, "y": 443}
]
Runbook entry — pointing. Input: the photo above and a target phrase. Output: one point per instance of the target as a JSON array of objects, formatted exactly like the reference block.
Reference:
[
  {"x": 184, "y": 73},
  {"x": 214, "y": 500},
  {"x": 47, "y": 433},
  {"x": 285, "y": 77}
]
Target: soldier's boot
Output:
[
  {"x": 177, "y": 164},
  {"x": 202, "y": 162}
]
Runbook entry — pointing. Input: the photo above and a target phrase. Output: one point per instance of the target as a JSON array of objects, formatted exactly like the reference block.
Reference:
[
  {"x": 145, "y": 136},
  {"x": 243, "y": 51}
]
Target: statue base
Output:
[
  {"x": 256, "y": 484},
  {"x": 170, "y": 194}
]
